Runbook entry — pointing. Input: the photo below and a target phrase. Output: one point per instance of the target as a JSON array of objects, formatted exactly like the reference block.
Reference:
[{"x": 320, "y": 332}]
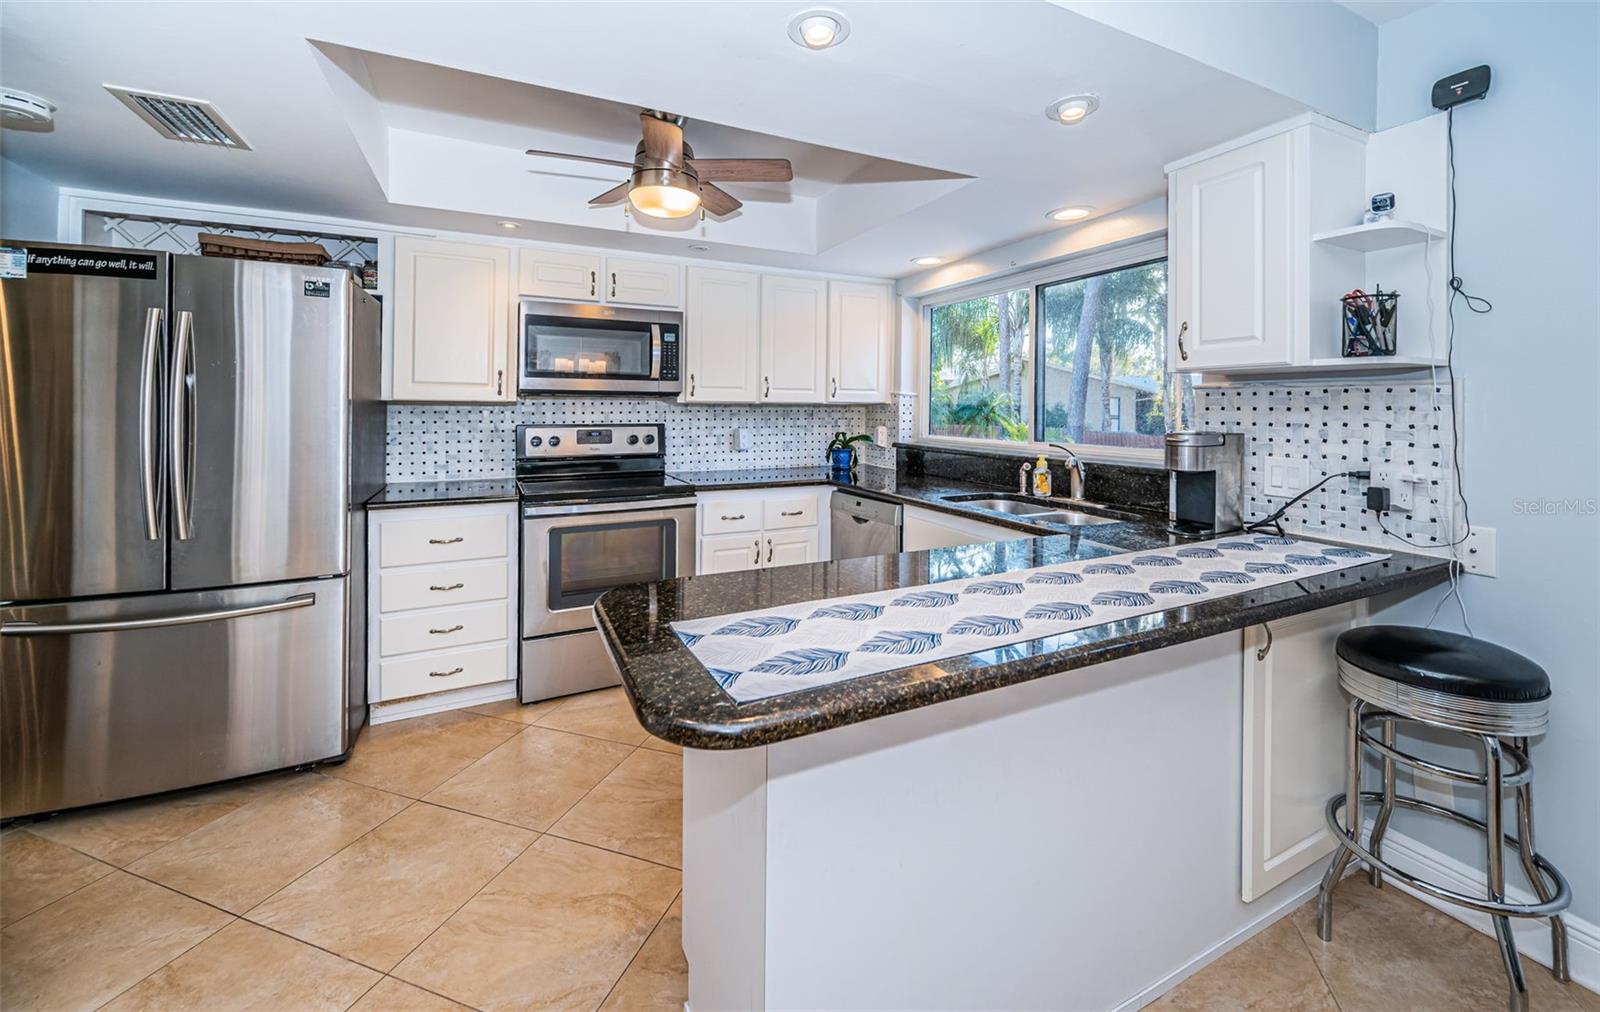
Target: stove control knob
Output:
[
  {"x": 555, "y": 440},
  {"x": 535, "y": 440},
  {"x": 648, "y": 439},
  {"x": 633, "y": 440}
]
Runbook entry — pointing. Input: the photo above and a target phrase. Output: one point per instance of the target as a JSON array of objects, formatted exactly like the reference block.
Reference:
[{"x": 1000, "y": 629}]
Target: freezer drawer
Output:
[{"x": 113, "y": 699}]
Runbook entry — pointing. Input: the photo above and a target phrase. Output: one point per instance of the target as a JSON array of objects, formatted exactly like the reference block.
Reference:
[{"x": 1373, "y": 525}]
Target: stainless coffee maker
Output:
[{"x": 1205, "y": 483}]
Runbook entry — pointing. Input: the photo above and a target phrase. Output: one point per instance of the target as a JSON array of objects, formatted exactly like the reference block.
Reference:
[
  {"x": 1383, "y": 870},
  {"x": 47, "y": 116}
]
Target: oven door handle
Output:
[
  {"x": 607, "y": 506},
  {"x": 655, "y": 351}
]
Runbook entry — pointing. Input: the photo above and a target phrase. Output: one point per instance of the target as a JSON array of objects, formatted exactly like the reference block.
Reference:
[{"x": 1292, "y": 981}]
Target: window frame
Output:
[{"x": 1101, "y": 260}]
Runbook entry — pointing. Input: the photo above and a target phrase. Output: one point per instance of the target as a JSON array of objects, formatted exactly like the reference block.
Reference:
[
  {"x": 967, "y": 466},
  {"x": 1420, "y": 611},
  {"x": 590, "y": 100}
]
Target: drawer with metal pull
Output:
[
  {"x": 437, "y": 670},
  {"x": 730, "y": 515},
  {"x": 439, "y": 586},
  {"x": 781, "y": 512},
  {"x": 448, "y": 537},
  {"x": 441, "y": 628}
]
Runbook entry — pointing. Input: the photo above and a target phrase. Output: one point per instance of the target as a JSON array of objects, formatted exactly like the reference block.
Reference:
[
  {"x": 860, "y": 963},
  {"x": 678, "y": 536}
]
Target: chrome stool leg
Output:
[
  {"x": 1352, "y": 822},
  {"x": 1494, "y": 772},
  {"x": 1526, "y": 850},
  {"x": 1380, "y": 825}
]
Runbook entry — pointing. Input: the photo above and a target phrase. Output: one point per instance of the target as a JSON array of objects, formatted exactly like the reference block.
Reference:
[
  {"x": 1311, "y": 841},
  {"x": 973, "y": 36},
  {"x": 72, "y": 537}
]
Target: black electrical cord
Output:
[{"x": 1273, "y": 518}]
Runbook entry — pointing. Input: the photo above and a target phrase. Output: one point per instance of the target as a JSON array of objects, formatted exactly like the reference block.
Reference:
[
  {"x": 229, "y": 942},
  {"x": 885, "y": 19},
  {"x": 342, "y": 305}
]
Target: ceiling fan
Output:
[{"x": 668, "y": 181}]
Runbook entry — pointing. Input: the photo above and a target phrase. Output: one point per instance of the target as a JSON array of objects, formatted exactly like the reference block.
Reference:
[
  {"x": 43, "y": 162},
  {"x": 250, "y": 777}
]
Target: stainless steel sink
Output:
[
  {"x": 1012, "y": 506},
  {"x": 1071, "y": 517},
  {"x": 1019, "y": 507}
]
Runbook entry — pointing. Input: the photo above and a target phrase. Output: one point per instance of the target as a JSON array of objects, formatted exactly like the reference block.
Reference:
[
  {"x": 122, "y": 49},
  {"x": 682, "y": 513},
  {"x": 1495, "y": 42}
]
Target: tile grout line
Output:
[
  {"x": 635, "y": 958},
  {"x": 63, "y": 896},
  {"x": 1316, "y": 963}
]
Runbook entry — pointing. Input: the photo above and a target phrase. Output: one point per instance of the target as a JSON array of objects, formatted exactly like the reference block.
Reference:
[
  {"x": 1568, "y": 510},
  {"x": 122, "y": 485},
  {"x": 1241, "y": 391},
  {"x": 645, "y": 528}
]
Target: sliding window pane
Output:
[
  {"x": 980, "y": 383},
  {"x": 1104, "y": 353}
]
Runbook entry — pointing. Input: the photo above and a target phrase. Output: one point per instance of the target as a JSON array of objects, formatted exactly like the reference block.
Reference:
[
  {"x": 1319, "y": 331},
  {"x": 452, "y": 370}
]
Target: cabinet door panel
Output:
[
  {"x": 644, "y": 283},
  {"x": 549, "y": 274},
  {"x": 1230, "y": 258},
  {"x": 452, "y": 321},
  {"x": 729, "y": 553},
  {"x": 791, "y": 547},
  {"x": 794, "y": 340},
  {"x": 722, "y": 334},
  {"x": 858, "y": 342}
]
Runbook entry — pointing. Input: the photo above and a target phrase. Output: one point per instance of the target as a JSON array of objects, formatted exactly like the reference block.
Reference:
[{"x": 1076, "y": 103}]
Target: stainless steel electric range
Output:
[{"x": 598, "y": 511}]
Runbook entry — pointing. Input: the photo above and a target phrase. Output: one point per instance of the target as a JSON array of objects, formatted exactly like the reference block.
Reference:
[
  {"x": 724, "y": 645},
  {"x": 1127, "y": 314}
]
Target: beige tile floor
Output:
[{"x": 519, "y": 857}]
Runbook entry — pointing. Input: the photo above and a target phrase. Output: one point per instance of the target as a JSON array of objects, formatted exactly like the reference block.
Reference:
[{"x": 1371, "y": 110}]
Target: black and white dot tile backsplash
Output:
[
  {"x": 1344, "y": 427},
  {"x": 429, "y": 442}
]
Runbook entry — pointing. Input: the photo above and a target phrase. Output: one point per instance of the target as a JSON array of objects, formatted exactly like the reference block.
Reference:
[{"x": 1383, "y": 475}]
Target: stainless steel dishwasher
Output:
[{"x": 863, "y": 526}]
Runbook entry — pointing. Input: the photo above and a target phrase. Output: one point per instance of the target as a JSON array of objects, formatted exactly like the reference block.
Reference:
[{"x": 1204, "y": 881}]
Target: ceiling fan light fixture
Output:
[
  {"x": 1074, "y": 212},
  {"x": 664, "y": 193},
  {"x": 818, "y": 29},
  {"x": 1073, "y": 109}
]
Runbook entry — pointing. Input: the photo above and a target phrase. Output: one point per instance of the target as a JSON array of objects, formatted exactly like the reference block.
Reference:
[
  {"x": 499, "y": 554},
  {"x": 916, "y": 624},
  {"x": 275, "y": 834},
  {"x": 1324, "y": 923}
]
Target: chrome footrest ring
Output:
[{"x": 1561, "y": 899}]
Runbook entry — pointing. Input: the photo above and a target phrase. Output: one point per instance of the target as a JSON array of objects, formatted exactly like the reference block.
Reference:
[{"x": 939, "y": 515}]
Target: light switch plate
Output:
[
  {"x": 1285, "y": 477},
  {"x": 1477, "y": 552}
]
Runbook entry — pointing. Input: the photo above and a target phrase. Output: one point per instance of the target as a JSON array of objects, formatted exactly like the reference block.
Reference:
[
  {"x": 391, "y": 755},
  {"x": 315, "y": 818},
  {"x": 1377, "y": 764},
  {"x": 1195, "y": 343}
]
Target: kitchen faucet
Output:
[{"x": 1075, "y": 475}]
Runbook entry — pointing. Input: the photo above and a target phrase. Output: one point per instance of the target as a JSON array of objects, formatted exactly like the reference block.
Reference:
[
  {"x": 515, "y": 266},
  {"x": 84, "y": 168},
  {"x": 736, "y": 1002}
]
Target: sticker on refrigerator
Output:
[
  {"x": 92, "y": 263},
  {"x": 317, "y": 289},
  {"x": 13, "y": 262}
]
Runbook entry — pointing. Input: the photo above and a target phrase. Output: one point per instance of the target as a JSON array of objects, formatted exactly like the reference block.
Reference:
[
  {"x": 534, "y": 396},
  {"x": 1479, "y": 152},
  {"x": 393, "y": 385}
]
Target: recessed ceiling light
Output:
[
  {"x": 927, "y": 261},
  {"x": 818, "y": 29},
  {"x": 699, "y": 247},
  {"x": 509, "y": 224},
  {"x": 1075, "y": 212},
  {"x": 1072, "y": 109}
]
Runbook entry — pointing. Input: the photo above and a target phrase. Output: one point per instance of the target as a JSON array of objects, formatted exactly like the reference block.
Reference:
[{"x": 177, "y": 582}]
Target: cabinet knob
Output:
[{"x": 1182, "y": 352}]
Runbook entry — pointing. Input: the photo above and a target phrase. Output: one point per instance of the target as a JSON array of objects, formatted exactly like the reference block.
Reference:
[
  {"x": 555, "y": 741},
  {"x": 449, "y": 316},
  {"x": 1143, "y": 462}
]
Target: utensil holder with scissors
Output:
[{"x": 1369, "y": 323}]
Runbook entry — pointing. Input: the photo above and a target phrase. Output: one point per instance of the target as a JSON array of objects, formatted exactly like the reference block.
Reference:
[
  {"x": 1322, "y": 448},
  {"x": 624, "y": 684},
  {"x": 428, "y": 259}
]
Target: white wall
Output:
[
  {"x": 28, "y": 203},
  {"x": 1528, "y": 214}
]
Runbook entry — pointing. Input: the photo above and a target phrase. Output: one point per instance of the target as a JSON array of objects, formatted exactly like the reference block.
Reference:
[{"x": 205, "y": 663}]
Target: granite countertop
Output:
[
  {"x": 678, "y": 700},
  {"x": 444, "y": 493}
]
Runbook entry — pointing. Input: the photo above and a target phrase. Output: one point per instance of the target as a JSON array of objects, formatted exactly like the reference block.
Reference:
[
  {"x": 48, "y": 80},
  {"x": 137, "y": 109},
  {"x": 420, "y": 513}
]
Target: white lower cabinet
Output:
[
  {"x": 442, "y": 599},
  {"x": 758, "y": 528},
  {"x": 923, "y": 529},
  {"x": 1294, "y": 743}
]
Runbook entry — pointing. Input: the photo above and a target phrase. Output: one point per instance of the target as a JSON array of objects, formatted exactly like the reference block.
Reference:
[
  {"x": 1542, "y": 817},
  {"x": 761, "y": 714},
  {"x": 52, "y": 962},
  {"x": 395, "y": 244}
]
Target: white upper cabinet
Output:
[
  {"x": 1250, "y": 290},
  {"x": 794, "y": 340},
  {"x": 567, "y": 277},
  {"x": 722, "y": 321},
  {"x": 859, "y": 342},
  {"x": 452, "y": 321},
  {"x": 643, "y": 283}
]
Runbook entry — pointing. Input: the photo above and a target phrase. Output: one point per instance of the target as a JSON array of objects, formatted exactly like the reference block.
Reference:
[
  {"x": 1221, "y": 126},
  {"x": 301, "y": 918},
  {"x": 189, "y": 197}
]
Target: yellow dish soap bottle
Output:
[{"x": 1041, "y": 477}]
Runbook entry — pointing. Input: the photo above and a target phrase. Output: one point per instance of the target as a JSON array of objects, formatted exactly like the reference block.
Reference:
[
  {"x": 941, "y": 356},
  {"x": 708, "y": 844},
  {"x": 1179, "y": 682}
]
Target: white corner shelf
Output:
[
  {"x": 1336, "y": 366},
  {"x": 1379, "y": 235}
]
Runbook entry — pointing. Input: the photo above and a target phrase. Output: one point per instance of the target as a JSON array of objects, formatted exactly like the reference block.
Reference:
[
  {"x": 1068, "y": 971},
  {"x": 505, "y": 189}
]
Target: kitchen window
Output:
[{"x": 1068, "y": 356}]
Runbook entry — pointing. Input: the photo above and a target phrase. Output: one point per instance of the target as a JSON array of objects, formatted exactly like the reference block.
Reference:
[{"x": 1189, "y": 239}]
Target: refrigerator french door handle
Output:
[
  {"x": 180, "y": 404},
  {"x": 149, "y": 427},
  {"x": 155, "y": 622}
]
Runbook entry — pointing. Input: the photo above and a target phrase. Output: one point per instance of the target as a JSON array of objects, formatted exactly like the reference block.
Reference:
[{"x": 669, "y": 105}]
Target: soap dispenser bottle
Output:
[{"x": 1041, "y": 477}]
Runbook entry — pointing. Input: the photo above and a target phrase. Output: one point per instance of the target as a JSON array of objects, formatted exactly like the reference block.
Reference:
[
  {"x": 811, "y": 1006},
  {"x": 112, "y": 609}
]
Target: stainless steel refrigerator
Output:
[{"x": 186, "y": 448}]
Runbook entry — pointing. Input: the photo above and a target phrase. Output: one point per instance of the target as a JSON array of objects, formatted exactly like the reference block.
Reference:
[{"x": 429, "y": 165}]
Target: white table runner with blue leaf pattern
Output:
[{"x": 757, "y": 654}]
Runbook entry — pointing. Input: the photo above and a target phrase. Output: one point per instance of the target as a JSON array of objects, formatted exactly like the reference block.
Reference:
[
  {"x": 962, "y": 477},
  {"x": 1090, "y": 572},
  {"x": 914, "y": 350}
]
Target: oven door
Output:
[
  {"x": 573, "y": 554},
  {"x": 566, "y": 348}
]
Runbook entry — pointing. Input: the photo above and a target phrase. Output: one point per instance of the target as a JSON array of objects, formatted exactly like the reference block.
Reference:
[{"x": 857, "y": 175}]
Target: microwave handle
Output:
[{"x": 655, "y": 351}]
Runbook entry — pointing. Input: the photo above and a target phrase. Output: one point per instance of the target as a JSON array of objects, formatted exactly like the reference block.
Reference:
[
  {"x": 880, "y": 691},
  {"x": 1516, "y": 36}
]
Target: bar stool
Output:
[{"x": 1403, "y": 675}]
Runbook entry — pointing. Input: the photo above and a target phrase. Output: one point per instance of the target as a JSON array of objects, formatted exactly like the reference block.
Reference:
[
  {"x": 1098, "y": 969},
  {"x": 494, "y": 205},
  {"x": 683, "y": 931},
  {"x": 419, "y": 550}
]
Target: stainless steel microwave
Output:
[{"x": 567, "y": 347}]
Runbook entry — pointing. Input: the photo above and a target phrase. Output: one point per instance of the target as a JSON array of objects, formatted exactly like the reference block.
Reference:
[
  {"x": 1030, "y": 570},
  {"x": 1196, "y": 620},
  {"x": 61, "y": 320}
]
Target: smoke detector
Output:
[
  {"x": 181, "y": 119},
  {"x": 19, "y": 107}
]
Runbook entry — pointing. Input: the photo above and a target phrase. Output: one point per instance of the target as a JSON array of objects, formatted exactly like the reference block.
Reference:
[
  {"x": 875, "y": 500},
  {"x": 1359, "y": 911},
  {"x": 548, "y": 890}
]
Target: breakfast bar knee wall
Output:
[{"x": 1062, "y": 842}]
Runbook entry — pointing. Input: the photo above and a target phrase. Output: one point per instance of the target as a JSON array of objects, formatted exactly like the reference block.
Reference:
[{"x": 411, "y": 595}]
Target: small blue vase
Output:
[{"x": 842, "y": 459}]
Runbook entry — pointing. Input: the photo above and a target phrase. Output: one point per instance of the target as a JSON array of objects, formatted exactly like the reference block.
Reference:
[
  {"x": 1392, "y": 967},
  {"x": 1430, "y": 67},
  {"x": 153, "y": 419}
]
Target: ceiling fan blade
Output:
[
  {"x": 615, "y": 195},
  {"x": 662, "y": 140},
  {"x": 718, "y": 201},
  {"x": 578, "y": 158},
  {"x": 744, "y": 170}
]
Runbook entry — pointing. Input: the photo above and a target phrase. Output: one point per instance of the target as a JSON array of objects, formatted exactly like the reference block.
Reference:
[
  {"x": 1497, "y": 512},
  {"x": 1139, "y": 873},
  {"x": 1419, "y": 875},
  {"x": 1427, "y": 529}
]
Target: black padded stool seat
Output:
[{"x": 1444, "y": 662}]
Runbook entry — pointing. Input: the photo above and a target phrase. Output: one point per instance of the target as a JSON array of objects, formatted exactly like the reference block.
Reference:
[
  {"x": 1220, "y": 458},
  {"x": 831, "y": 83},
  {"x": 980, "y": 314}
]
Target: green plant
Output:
[{"x": 842, "y": 442}]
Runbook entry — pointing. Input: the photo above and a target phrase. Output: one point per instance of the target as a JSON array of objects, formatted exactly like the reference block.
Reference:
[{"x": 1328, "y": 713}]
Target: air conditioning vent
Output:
[{"x": 181, "y": 119}]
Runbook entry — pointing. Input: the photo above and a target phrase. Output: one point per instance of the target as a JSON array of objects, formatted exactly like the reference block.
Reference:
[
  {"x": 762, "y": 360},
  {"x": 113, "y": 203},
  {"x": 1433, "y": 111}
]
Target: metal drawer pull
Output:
[
  {"x": 591, "y": 282},
  {"x": 1182, "y": 352},
  {"x": 791, "y": 513},
  {"x": 691, "y": 384},
  {"x": 453, "y": 586},
  {"x": 757, "y": 561},
  {"x": 739, "y": 517},
  {"x": 445, "y": 541},
  {"x": 445, "y": 674},
  {"x": 442, "y": 632},
  {"x": 613, "y": 284},
  {"x": 766, "y": 390},
  {"x": 769, "y": 549}
]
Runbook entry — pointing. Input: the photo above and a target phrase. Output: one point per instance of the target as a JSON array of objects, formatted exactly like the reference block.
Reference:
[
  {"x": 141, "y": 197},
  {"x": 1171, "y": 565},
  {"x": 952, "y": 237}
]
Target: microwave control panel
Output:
[{"x": 669, "y": 351}]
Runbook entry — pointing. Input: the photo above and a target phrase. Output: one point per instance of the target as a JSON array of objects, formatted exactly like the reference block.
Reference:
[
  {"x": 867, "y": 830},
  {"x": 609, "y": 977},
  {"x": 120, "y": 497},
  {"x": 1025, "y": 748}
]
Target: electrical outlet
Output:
[
  {"x": 1398, "y": 482},
  {"x": 882, "y": 436},
  {"x": 741, "y": 439},
  {"x": 1477, "y": 552},
  {"x": 1284, "y": 477}
]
